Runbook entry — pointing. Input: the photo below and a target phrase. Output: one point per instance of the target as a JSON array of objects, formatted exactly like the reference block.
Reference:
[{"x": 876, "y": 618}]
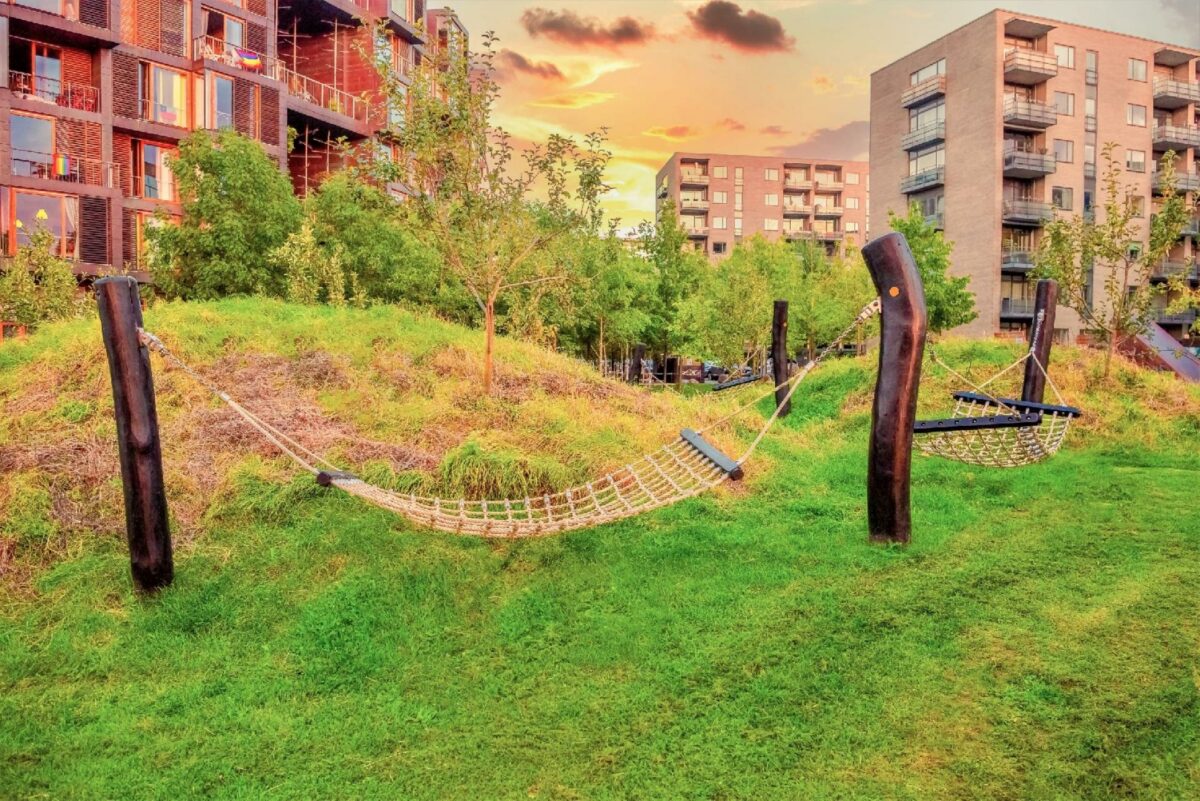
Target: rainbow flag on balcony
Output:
[
  {"x": 61, "y": 165},
  {"x": 249, "y": 59}
]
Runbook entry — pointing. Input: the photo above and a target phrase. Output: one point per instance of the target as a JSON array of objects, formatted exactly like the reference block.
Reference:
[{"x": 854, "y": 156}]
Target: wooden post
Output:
[
  {"x": 901, "y": 348},
  {"x": 1041, "y": 339},
  {"x": 779, "y": 356},
  {"x": 635, "y": 367},
  {"x": 137, "y": 433}
]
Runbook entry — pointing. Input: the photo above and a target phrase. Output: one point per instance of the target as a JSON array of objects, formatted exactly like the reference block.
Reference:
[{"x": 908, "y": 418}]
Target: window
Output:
[
  {"x": 1065, "y": 55},
  {"x": 927, "y": 159},
  {"x": 152, "y": 177},
  {"x": 1135, "y": 115},
  {"x": 1064, "y": 151},
  {"x": 1064, "y": 103},
  {"x": 771, "y": 199},
  {"x": 852, "y": 228},
  {"x": 925, "y": 73},
  {"x": 1062, "y": 197},
  {"x": 918, "y": 118},
  {"x": 737, "y": 175},
  {"x": 1092, "y": 57},
  {"x": 162, "y": 95},
  {"x": 852, "y": 203},
  {"x": 31, "y": 140},
  {"x": 720, "y": 171},
  {"x": 1138, "y": 204},
  {"x": 36, "y": 68},
  {"x": 771, "y": 174},
  {"x": 720, "y": 222},
  {"x": 1135, "y": 160},
  {"x": 1089, "y": 154},
  {"x": 1137, "y": 69},
  {"x": 720, "y": 247},
  {"x": 852, "y": 178},
  {"x": 144, "y": 221},
  {"x": 221, "y": 29},
  {"x": 221, "y": 111},
  {"x": 720, "y": 197},
  {"x": 737, "y": 201},
  {"x": 58, "y": 214},
  {"x": 770, "y": 224},
  {"x": 737, "y": 226},
  {"x": 1089, "y": 107}
]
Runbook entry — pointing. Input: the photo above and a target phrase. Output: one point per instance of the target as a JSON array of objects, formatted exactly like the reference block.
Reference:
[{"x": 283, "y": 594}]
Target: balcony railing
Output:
[
  {"x": 64, "y": 167},
  {"x": 1184, "y": 181},
  {"x": 829, "y": 183},
  {"x": 1026, "y": 165},
  {"x": 923, "y": 180},
  {"x": 829, "y": 236},
  {"x": 1169, "y": 93},
  {"x": 795, "y": 209},
  {"x": 824, "y": 210},
  {"x": 697, "y": 232},
  {"x": 165, "y": 113},
  {"x": 924, "y": 136},
  {"x": 51, "y": 90},
  {"x": 1185, "y": 317},
  {"x": 155, "y": 187},
  {"x": 210, "y": 48},
  {"x": 1028, "y": 114},
  {"x": 324, "y": 95},
  {"x": 793, "y": 183},
  {"x": 1169, "y": 268},
  {"x": 925, "y": 90},
  {"x": 797, "y": 233},
  {"x": 689, "y": 204},
  {"x": 694, "y": 177},
  {"x": 1016, "y": 260},
  {"x": 1026, "y": 210},
  {"x": 1016, "y": 307},
  {"x": 1178, "y": 137},
  {"x": 1028, "y": 67}
]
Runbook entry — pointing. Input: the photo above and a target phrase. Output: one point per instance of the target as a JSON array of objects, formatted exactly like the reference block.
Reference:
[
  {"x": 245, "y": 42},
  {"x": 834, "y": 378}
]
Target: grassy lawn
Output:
[{"x": 1039, "y": 640}]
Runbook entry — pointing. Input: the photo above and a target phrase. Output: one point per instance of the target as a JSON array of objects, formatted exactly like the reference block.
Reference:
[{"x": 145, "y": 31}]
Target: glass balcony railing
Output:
[
  {"x": 1017, "y": 307},
  {"x": 171, "y": 113},
  {"x": 926, "y": 179},
  {"x": 694, "y": 177},
  {"x": 1170, "y": 93},
  {"x": 923, "y": 91},
  {"x": 1027, "y": 211},
  {"x": 1178, "y": 137},
  {"x": 928, "y": 135},
  {"x": 1028, "y": 113},
  {"x": 1028, "y": 67}
]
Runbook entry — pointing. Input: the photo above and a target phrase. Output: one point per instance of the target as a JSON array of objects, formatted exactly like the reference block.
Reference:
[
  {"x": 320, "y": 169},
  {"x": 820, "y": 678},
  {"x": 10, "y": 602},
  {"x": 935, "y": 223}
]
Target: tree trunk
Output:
[
  {"x": 1108, "y": 353},
  {"x": 489, "y": 328},
  {"x": 603, "y": 361}
]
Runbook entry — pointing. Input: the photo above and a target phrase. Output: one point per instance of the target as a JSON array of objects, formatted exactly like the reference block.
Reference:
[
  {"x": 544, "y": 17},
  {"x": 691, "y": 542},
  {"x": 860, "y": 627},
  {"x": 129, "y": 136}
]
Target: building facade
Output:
[
  {"x": 98, "y": 94},
  {"x": 998, "y": 126},
  {"x": 722, "y": 199}
]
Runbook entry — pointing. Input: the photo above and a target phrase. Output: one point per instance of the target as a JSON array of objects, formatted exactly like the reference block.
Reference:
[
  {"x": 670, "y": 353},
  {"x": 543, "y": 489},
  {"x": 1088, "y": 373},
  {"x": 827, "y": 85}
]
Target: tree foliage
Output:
[
  {"x": 1109, "y": 250},
  {"x": 36, "y": 285},
  {"x": 679, "y": 270},
  {"x": 947, "y": 300}
]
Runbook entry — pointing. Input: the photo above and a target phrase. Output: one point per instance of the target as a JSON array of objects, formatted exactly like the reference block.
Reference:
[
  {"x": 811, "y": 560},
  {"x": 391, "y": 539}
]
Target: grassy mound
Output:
[{"x": 1037, "y": 640}]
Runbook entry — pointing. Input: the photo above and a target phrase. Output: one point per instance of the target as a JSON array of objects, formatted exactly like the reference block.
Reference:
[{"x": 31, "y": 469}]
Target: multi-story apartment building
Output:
[
  {"x": 998, "y": 126},
  {"x": 721, "y": 199},
  {"x": 98, "y": 94}
]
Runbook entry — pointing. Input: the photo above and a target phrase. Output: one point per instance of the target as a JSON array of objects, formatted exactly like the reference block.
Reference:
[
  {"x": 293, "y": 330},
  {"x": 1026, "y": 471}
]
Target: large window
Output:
[
  {"x": 770, "y": 224},
  {"x": 36, "y": 69},
  {"x": 52, "y": 6},
  {"x": 925, "y": 73},
  {"x": 58, "y": 214},
  {"x": 152, "y": 175},
  {"x": 771, "y": 174},
  {"x": 1064, "y": 103},
  {"x": 31, "y": 140},
  {"x": 927, "y": 159},
  {"x": 1062, "y": 197},
  {"x": 222, "y": 28},
  {"x": 221, "y": 114},
  {"x": 720, "y": 171},
  {"x": 771, "y": 199},
  {"x": 1065, "y": 55},
  {"x": 1135, "y": 115},
  {"x": 852, "y": 203},
  {"x": 720, "y": 197},
  {"x": 1135, "y": 160},
  {"x": 1064, "y": 151},
  {"x": 163, "y": 95},
  {"x": 1137, "y": 69},
  {"x": 926, "y": 115}
]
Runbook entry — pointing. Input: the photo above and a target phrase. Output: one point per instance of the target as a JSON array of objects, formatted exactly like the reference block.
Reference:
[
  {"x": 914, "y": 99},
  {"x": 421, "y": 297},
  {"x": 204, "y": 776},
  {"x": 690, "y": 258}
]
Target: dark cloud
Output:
[
  {"x": 850, "y": 142},
  {"x": 510, "y": 61},
  {"x": 570, "y": 28},
  {"x": 773, "y": 130},
  {"x": 1188, "y": 13},
  {"x": 730, "y": 124},
  {"x": 751, "y": 31}
]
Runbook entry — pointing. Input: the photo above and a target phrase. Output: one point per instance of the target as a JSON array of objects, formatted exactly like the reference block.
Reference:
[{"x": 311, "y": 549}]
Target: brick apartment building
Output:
[
  {"x": 721, "y": 199},
  {"x": 99, "y": 93},
  {"x": 998, "y": 126}
]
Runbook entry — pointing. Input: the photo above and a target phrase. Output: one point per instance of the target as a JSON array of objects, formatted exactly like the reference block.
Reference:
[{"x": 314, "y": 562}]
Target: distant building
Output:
[
  {"x": 721, "y": 199},
  {"x": 997, "y": 126}
]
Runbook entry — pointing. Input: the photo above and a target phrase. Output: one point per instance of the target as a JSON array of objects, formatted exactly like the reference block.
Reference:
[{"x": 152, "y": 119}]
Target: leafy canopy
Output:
[{"x": 948, "y": 301}]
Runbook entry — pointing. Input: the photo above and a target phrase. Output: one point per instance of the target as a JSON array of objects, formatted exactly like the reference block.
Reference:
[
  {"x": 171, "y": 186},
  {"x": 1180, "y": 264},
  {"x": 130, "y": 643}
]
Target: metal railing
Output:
[
  {"x": 924, "y": 136},
  {"x": 1188, "y": 91},
  {"x": 795, "y": 182},
  {"x": 686, "y": 203},
  {"x": 1184, "y": 181},
  {"x": 1028, "y": 210},
  {"x": 693, "y": 177},
  {"x": 1030, "y": 113},
  {"x": 825, "y": 210},
  {"x": 1168, "y": 268},
  {"x": 1023, "y": 161},
  {"x": 925, "y": 90},
  {"x": 64, "y": 167},
  {"x": 1185, "y": 317},
  {"x": 830, "y": 235},
  {"x": 1021, "y": 59},
  {"x": 923, "y": 180},
  {"x": 324, "y": 95},
  {"x": 164, "y": 113},
  {"x": 52, "y": 90},
  {"x": 797, "y": 208},
  {"x": 154, "y": 187},
  {"x": 1182, "y": 135},
  {"x": 1017, "y": 306},
  {"x": 211, "y": 48},
  {"x": 1016, "y": 258},
  {"x": 698, "y": 230}
]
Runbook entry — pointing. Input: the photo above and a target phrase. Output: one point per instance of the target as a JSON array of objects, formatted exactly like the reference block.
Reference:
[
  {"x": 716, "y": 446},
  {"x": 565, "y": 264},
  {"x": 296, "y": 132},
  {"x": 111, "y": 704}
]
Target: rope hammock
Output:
[
  {"x": 997, "y": 432},
  {"x": 679, "y": 470}
]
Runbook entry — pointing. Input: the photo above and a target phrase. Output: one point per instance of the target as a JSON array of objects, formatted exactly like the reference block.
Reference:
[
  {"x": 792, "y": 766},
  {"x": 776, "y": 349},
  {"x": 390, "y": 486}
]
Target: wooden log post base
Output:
[
  {"x": 779, "y": 358},
  {"x": 901, "y": 349},
  {"x": 1041, "y": 339},
  {"x": 635, "y": 367},
  {"x": 146, "y": 524}
]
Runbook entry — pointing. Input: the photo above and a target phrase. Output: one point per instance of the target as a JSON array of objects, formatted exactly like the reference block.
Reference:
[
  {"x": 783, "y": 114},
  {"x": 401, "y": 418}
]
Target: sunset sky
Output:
[{"x": 748, "y": 76}]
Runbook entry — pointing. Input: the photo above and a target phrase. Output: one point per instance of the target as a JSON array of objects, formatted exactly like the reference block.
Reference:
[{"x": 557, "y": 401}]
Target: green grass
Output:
[{"x": 1038, "y": 640}]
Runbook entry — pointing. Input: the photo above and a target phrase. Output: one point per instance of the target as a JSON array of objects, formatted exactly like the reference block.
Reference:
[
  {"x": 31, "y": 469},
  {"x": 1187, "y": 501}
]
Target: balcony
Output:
[
  {"x": 1185, "y": 317},
  {"x": 1016, "y": 308},
  {"x": 923, "y": 180},
  {"x": 165, "y": 113},
  {"x": 1016, "y": 260},
  {"x": 82, "y": 24},
  {"x": 693, "y": 205},
  {"x": 829, "y": 236},
  {"x": 1026, "y": 165},
  {"x": 155, "y": 187},
  {"x": 1176, "y": 137},
  {"x": 63, "y": 94},
  {"x": 1028, "y": 67},
  {"x": 937, "y": 220},
  {"x": 1027, "y": 212},
  {"x": 796, "y": 183},
  {"x": 1171, "y": 268},
  {"x": 1191, "y": 226},
  {"x": 218, "y": 51},
  {"x": 832, "y": 184},
  {"x": 796, "y": 210},
  {"x": 824, "y": 210},
  {"x": 65, "y": 168},
  {"x": 1184, "y": 182},
  {"x": 697, "y": 232},
  {"x": 1028, "y": 114},
  {"x": 796, "y": 234},
  {"x": 693, "y": 178},
  {"x": 929, "y": 135},
  {"x": 328, "y": 98},
  {"x": 925, "y": 90},
  {"x": 1170, "y": 93}
]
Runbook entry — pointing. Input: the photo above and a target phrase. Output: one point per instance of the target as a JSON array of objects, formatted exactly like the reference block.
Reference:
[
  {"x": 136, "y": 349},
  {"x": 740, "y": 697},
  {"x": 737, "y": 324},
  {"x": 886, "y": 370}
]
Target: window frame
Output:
[{"x": 62, "y": 197}]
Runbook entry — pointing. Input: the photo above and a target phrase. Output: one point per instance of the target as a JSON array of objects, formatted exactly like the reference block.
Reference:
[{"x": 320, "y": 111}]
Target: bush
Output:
[{"x": 37, "y": 286}]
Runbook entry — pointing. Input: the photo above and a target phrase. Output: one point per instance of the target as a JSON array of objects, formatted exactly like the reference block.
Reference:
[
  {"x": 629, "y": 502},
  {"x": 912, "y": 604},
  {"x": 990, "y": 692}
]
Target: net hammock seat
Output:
[{"x": 991, "y": 431}]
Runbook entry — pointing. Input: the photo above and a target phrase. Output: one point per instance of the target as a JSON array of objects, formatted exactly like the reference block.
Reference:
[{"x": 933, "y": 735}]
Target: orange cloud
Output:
[
  {"x": 672, "y": 133},
  {"x": 573, "y": 100},
  {"x": 730, "y": 124},
  {"x": 773, "y": 130},
  {"x": 822, "y": 83}
]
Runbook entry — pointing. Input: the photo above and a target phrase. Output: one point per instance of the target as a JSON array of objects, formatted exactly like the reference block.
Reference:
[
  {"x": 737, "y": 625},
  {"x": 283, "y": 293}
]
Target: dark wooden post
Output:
[
  {"x": 901, "y": 348},
  {"x": 635, "y": 368},
  {"x": 137, "y": 433},
  {"x": 779, "y": 356},
  {"x": 675, "y": 365},
  {"x": 1041, "y": 339}
]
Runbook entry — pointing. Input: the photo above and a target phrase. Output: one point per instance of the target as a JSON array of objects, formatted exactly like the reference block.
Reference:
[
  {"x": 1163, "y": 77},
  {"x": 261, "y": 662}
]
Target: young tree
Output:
[
  {"x": 948, "y": 301},
  {"x": 730, "y": 315},
  {"x": 679, "y": 269},
  {"x": 473, "y": 203},
  {"x": 823, "y": 295},
  {"x": 37, "y": 286},
  {"x": 1111, "y": 251},
  {"x": 238, "y": 207}
]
